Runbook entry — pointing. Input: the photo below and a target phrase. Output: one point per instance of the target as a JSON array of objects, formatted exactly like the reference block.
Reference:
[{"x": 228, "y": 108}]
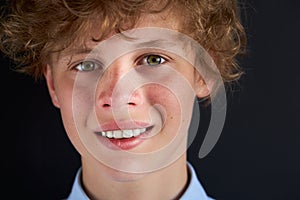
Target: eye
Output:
[
  {"x": 153, "y": 60},
  {"x": 86, "y": 66}
]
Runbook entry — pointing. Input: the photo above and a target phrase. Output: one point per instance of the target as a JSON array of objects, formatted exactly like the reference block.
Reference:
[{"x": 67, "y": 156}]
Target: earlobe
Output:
[
  {"x": 202, "y": 89},
  {"x": 50, "y": 84}
]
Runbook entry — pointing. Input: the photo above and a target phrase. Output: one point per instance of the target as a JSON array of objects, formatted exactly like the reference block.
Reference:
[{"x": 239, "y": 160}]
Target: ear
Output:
[
  {"x": 48, "y": 74},
  {"x": 201, "y": 88}
]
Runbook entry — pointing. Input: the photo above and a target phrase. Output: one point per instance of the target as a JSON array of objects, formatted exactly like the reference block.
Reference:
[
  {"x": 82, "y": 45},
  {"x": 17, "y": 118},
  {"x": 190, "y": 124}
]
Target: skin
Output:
[{"x": 116, "y": 184}]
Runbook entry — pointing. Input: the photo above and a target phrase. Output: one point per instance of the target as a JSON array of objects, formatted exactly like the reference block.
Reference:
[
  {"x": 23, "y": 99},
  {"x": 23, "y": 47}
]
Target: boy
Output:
[{"x": 124, "y": 75}]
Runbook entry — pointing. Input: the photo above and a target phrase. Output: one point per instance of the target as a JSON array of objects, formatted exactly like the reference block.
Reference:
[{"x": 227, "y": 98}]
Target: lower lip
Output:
[{"x": 123, "y": 144}]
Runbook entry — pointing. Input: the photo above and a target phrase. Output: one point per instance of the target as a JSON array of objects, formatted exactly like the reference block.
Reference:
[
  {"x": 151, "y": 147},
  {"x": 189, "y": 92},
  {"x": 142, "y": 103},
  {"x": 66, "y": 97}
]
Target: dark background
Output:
[{"x": 256, "y": 157}]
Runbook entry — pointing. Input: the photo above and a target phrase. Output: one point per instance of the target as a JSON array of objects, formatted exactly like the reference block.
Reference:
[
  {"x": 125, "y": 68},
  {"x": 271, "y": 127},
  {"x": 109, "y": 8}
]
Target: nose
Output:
[{"x": 115, "y": 89}]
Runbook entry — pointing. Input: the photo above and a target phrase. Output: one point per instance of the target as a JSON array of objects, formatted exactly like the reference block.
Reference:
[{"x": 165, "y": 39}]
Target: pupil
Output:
[
  {"x": 153, "y": 60},
  {"x": 88, "y": 65}
]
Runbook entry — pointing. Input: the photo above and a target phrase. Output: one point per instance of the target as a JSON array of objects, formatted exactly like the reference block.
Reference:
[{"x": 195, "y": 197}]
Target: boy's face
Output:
[{"x": 129, "y": 103}]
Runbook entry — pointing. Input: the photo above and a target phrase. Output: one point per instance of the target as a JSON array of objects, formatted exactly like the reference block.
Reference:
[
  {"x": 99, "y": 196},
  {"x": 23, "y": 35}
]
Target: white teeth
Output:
[
  {"x": 109, "y": 134},
  {"x": 123, "y": 133},
  {"x": 117, "y": 134},
  {"x": 136, "y": 132},
  {"x": 127, "y": 133}
]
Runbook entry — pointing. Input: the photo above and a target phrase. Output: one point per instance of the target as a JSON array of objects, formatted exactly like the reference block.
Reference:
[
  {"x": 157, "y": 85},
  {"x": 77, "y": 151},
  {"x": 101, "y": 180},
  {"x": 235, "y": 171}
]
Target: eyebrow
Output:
[
  {"x": 74, "y": 52},
  {"x": 159, "y": 43},
  {"x": 78, "y": 51},
  {"x": 152, "y": 43}
]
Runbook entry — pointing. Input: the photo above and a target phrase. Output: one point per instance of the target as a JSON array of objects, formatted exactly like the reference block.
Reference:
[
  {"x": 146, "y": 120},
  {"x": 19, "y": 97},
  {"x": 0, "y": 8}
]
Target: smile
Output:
[{"x": 120, "y": 134}]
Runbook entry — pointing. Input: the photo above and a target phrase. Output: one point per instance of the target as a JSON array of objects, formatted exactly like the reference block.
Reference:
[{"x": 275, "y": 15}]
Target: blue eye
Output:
[
  {"x": 86, "y": 66},
  {"x": 153, "y": 60}
]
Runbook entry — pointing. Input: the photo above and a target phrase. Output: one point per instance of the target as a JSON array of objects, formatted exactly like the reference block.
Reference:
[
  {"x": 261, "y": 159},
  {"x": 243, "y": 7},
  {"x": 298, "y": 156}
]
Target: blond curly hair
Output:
[{"x": 30, "y": 30}]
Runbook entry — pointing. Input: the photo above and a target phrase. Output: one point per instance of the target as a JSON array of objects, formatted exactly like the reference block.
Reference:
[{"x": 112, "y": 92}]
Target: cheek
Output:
[
  {"x": 167, "y": 101},
  {"x": 175, "y": 98},
  {"x": 176, "y": 109},
  {"x": 159, "y": 95},
  {"x": 65, "y": 92},
  {"x": 177, "y": 103}
]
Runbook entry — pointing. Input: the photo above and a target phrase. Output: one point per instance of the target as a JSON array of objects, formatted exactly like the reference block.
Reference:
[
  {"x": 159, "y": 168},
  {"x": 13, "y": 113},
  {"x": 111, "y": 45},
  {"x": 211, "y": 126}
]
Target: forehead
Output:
[
  {"x": 165, "y": 19},
  {"x": 86, "y": 40}
]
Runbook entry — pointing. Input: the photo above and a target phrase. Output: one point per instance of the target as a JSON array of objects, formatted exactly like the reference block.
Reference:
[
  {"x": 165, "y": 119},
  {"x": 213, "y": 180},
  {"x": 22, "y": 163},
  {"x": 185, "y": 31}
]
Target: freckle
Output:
[{"x": 171, "y": 117}]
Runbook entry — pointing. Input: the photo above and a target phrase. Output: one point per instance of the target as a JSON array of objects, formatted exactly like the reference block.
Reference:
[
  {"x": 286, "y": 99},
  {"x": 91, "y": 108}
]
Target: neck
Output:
[{"x": 102, "y": 182}]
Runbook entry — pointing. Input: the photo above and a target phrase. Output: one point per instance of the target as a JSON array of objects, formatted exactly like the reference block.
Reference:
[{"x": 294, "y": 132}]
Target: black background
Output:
[{"x": 256, "y": 157}]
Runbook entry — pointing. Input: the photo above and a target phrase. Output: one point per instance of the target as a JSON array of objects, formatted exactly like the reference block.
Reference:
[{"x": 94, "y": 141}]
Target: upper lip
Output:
[{"x": 121, "y": 125}]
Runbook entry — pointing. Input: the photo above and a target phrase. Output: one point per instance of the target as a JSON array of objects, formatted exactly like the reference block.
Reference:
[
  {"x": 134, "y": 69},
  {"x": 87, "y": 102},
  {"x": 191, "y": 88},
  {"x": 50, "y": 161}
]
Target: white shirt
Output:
[{"x": 194, "y": 190}]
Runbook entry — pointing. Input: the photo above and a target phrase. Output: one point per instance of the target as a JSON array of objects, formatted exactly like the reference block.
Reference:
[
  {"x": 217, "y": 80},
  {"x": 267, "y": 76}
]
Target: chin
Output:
[{"x": 120, "y": 176}]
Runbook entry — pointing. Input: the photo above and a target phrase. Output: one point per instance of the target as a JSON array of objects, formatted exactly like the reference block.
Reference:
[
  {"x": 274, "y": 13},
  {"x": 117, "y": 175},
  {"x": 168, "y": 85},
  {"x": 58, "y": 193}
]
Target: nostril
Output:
[
  {"x": 106, "y": 105},
  {"x": 131, "y": 103}
]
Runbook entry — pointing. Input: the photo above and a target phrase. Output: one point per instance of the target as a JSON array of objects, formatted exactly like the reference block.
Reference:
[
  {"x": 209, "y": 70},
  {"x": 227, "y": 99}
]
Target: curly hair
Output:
[{"x": 32, "y": 29}]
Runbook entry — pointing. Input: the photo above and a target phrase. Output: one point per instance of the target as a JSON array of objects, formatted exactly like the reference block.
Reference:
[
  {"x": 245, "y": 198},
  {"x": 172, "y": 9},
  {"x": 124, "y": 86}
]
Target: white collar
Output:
[{"x": 194, "y": 190}]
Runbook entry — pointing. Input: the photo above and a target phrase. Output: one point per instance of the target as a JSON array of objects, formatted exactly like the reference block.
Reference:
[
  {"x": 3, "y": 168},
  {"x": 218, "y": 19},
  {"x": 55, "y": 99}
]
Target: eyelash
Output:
[
  {"x": 141, "y": 60},
  {"x": 77, "y": 65}
]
